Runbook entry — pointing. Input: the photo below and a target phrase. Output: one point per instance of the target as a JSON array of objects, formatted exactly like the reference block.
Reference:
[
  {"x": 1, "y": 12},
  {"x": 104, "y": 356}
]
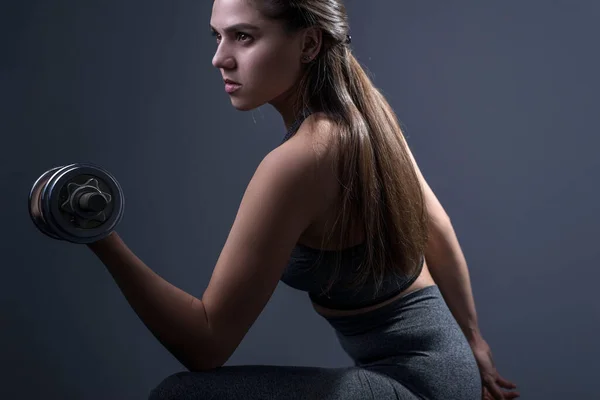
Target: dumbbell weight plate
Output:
[
  {"x": 35, "y": 211},
  {"x": 62, "y": 223},
  {"x": 56, "y": 192}
]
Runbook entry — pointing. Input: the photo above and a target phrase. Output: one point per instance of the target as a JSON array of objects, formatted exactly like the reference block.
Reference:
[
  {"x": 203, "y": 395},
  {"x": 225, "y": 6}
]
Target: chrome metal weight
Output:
[{"x": 79, "y": 203}]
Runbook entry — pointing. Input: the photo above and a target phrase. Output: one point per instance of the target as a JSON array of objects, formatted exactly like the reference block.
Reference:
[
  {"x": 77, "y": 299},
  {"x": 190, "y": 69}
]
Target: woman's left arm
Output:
[
  {"x": 447, "y": 263},
  {"x": 449, "y": 270}
]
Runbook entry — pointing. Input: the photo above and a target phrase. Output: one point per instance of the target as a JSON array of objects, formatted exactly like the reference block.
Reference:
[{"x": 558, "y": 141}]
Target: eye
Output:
[
  {"x": 215, "y": 35},
  {"x": 241, "y": 36}
]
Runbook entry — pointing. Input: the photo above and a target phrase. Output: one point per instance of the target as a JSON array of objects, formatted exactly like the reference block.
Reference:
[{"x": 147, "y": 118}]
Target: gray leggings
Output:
[{"x": 411, "y": 349}]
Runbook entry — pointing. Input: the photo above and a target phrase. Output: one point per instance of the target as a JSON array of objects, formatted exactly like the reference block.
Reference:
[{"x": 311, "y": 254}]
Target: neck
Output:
[{"x": 285, "y": 105}]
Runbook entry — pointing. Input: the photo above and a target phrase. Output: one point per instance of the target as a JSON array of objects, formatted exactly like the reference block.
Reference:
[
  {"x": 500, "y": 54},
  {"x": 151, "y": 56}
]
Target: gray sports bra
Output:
[{"x": 309, "y": 270}]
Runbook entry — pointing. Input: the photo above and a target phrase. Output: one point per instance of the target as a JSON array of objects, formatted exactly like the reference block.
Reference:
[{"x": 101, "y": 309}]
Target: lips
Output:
[{"x": 231, "y": 86}]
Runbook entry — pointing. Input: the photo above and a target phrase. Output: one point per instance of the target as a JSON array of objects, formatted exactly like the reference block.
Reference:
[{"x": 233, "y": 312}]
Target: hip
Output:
[{"x": 412, "y": 339}]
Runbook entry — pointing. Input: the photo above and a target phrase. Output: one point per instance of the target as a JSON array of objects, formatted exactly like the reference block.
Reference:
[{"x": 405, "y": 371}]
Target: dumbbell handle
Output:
[{"x": 92, "y": 201}]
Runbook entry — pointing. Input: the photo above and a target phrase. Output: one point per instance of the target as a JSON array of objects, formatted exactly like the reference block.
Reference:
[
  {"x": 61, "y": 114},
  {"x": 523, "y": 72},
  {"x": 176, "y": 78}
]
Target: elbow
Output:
[
  {"x": 440, "y": 223},
  {"x": 203, "y": 367},
  {"x": 440, "y": 231},
  {"x": 210, "y": 357},
  {"x": 215, "y": 363},
  {"x": 203, "y": 364},
  {"x": 205, "y": 357}
]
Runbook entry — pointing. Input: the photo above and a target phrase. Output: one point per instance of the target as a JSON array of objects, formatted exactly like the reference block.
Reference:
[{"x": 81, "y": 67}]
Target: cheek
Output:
[{"x": 273, "y": 72}]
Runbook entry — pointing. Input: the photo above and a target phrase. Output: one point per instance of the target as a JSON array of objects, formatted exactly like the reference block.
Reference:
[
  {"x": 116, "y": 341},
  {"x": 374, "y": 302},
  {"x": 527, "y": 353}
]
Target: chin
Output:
[{"x": 244, "y": 105}]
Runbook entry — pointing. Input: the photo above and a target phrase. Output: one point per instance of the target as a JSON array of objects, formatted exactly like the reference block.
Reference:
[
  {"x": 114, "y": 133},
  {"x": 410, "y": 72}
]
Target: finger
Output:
[
  {"x": 511, "y": 395},
  {"x": 488, "y": 397},
  {"x": 486, "y": 394},
  {"x": 498, "y": 394},
  {"x": 494, "y": 390},
  {"x": 504, "y": 383}
]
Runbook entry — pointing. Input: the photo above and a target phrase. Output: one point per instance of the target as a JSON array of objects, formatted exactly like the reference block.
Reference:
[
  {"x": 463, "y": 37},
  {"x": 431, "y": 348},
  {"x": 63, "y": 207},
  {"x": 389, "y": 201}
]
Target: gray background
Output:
[{"x": 499, "y": 102}]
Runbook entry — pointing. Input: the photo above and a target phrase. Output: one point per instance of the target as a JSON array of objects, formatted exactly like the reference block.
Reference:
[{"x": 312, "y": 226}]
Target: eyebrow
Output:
[{"x": 238, "y": 27}]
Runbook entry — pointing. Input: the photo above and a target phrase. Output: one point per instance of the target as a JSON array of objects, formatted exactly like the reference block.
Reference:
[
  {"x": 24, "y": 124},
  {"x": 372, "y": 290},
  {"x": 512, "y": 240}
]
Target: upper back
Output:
[
  {"x": 312, "y": 260},
  {"x": 316, "y": 129}
]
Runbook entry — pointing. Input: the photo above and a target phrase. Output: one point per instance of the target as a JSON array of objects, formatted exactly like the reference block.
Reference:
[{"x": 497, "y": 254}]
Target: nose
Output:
[{"x": 222, "y": 59}]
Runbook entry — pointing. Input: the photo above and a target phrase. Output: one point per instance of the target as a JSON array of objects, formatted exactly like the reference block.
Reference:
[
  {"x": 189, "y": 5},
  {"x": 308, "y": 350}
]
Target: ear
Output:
[{"x": 312, "y": 40}]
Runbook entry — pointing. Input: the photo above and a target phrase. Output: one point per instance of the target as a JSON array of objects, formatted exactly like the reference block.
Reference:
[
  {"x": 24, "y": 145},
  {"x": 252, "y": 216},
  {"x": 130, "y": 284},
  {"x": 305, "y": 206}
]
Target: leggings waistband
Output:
[{"x": 352, "y": 324}]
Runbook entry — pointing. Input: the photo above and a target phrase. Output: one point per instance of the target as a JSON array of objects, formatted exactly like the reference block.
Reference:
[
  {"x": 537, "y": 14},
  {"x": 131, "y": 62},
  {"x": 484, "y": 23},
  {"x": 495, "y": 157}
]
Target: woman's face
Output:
[{"x": 254, "y": 52}]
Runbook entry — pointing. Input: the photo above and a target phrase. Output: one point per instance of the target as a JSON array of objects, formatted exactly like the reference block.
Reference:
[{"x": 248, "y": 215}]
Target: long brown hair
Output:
[{"x": 380, "y": 187}]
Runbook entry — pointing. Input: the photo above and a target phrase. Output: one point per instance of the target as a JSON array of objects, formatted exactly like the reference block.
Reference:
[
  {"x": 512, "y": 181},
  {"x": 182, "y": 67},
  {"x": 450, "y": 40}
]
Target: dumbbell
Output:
[{"x": 79, "y": 203}]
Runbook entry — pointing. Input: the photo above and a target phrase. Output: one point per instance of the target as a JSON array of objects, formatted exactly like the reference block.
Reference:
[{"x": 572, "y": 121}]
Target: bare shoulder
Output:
[
  {"x": 317, "y": 131},
  {"x": 315, "y": 139},
  {"x": 315, "y": 143},
  {"x": 301, "y": 168}
]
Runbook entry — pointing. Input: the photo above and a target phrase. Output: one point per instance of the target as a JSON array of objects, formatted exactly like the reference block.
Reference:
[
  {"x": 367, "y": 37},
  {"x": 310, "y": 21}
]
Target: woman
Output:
[{"x": 339, "y": 210}]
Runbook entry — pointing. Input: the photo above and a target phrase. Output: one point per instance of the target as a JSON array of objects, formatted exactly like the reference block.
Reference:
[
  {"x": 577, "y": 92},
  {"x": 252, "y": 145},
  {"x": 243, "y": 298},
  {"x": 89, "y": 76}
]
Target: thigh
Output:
[{"x": 267, "y": 382}]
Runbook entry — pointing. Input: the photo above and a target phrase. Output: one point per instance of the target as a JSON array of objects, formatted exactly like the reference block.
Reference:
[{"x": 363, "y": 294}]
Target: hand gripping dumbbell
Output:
[{"x": 79, "y": 203}]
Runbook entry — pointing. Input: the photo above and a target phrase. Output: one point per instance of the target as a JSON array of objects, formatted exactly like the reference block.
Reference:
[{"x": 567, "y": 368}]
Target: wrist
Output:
[
  {"x": 473, "y": 335},
  {"x": 103, "y": 243}
]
